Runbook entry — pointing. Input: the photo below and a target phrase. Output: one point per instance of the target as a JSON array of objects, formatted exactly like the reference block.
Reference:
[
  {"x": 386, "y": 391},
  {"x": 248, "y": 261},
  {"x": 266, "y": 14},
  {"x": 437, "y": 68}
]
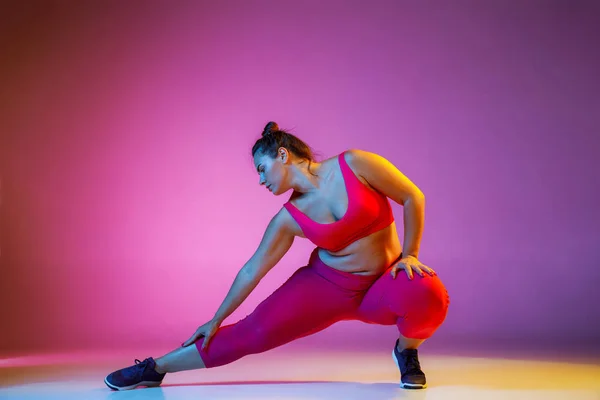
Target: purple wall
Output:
[{"x": 129, "y": 199}]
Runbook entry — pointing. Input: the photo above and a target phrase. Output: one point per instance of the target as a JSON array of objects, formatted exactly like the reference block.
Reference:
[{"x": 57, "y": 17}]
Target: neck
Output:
[{"x": 304, "y": 181}]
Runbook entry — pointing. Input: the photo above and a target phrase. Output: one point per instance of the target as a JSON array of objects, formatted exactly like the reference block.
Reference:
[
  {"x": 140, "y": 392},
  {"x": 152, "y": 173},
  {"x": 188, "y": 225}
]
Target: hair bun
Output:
[{"x": 270, "y": 128}]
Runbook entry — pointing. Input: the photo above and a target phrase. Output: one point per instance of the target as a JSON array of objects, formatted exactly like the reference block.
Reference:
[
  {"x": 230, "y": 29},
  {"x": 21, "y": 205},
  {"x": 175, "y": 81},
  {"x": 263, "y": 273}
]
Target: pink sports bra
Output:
[{"x": 368, "y": 212}]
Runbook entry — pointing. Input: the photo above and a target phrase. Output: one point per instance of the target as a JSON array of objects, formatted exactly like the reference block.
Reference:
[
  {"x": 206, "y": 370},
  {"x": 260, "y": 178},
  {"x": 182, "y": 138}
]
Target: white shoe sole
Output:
[
  {"x": 407, "y": 385},
  {"x": 143, "y": 383}
]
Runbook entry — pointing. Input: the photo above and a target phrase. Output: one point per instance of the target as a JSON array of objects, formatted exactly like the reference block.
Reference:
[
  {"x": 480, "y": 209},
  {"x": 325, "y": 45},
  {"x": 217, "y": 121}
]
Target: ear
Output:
[{"x": 283, "y": 154}]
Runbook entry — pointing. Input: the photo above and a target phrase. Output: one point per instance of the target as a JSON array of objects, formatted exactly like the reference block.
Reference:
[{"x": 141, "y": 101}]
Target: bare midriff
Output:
[{"x": 371, "y": 255}]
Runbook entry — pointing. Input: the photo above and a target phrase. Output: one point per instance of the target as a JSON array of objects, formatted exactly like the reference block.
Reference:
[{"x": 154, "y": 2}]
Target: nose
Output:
[{"x": 261, "y": 181}]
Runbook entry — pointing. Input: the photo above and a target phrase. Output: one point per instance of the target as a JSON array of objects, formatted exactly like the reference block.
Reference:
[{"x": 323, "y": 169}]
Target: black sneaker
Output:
[
  {"x": 411, "y": 376},
  {"x": 142, "y": 373}
]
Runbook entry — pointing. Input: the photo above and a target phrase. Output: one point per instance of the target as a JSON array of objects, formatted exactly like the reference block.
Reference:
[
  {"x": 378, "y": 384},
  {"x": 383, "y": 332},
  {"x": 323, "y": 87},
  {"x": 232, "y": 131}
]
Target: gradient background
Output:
[{"x": 129, "y": 200}]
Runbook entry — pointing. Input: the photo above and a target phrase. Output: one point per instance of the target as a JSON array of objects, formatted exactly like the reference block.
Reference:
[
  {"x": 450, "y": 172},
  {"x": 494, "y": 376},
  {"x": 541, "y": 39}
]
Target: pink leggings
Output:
[{"x": 316, "y": 296}]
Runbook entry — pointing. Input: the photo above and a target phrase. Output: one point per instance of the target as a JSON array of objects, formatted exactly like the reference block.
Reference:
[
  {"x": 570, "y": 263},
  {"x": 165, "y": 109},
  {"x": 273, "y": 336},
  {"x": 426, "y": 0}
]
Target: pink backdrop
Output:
[{"x": 129, "y": 199}]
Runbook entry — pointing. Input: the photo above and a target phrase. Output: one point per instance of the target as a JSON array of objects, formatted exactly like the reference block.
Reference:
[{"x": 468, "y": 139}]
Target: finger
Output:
[
  {"x": 426, "y": 269},
  {"x": 189, "y": 341},
  {"x": 408, "y": 270},
  {"x": 393, "y": 273},
  {"x": 430, "y": 271},
  {"x": 192, "y": 339},
  {"x": 207, "y": 339},
  {"x": 419, "y": 271}
]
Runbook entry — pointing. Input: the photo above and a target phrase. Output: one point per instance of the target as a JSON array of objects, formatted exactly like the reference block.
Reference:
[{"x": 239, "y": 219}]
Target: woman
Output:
[{"x": 342, "y": 206}]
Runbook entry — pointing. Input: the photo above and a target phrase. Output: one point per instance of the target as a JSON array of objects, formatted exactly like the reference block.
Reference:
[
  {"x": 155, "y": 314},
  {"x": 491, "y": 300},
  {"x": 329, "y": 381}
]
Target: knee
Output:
[{"x": 422, "y": 322}]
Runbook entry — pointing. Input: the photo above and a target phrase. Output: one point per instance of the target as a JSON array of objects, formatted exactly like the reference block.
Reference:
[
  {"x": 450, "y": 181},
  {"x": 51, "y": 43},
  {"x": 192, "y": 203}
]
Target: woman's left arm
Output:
[{"x": 382, "y": 175}]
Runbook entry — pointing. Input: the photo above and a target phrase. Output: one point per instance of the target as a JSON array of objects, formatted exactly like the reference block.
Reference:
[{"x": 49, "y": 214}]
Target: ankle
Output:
[
  {"x": 160, "y": 369},
  {"x": 405, "y": 343},
  {"x": 402, "y": 348}
]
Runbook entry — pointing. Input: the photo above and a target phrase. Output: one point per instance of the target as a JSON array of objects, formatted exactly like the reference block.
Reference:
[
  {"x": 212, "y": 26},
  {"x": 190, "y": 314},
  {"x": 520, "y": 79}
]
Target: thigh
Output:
[
  {"x": 417, "y": 306},
  {"x": 374, "y": 307},
  {"x": 304, "y": 304}
]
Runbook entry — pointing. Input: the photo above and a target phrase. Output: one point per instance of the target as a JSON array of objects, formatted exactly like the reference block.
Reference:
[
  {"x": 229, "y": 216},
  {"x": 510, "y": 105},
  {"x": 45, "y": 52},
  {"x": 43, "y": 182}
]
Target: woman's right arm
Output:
[{"x": 276, "y": 241}]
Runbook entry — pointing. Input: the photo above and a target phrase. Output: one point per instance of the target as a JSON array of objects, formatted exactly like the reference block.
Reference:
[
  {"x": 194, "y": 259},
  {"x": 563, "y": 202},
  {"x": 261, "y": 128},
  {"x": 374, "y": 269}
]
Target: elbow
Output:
[
  {"x": 254, "y": 272},
  {"x": 420, "y": 197},
  {"x": 417, "y": 198},
  {"x": 250, "y": 274}
]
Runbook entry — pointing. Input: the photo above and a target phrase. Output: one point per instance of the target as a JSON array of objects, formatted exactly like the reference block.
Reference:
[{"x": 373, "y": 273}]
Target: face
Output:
[{"x": 272, "y": 171}]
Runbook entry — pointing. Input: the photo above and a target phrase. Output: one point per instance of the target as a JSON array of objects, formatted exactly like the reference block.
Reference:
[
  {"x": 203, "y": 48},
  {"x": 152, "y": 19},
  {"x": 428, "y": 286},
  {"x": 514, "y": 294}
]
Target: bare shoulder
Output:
[
  {"x": 382, "y": 175},
  {"x": 363, "y": 162}
]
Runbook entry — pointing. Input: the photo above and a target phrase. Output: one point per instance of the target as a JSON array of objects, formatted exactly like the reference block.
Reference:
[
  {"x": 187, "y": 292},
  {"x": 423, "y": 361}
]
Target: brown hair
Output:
[{"x": 273, "y": 138}]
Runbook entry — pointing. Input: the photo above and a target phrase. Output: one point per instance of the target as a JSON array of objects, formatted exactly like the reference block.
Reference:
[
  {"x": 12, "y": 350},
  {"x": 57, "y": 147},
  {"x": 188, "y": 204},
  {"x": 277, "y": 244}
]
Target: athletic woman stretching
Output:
[{"x": 342, "y": 206}]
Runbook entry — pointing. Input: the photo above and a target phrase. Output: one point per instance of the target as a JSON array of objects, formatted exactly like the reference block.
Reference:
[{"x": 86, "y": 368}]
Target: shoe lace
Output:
[
  {"x": 411, "y": 363},
  {"x": 141, "y": 366}
]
